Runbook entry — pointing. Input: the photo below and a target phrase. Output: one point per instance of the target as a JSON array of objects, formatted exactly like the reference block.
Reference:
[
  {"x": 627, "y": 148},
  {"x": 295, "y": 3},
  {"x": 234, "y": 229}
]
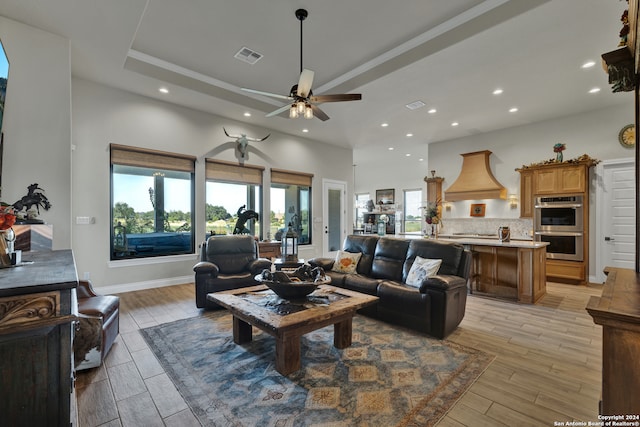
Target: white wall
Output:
[
  {"x": 37, "y": 122},
  {"x": 103, "y": 115}
]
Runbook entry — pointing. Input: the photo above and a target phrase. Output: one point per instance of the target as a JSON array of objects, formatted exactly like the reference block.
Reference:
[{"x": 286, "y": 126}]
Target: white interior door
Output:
[
  {"x": 333, "y": 216},
  {"x": 615, "y": 220}
]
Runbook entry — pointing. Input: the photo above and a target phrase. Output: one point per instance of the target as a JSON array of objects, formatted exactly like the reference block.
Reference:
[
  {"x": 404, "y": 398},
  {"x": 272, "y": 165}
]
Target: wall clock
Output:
[{"x": 627, "y": 136}]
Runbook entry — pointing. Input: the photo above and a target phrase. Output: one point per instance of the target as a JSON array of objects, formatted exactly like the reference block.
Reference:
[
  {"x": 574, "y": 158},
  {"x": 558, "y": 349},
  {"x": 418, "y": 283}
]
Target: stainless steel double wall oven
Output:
[{"x": 559, "y": 221}]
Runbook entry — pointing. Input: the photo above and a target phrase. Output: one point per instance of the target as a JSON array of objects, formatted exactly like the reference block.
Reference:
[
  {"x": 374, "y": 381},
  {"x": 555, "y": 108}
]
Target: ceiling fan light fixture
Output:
[
  {"x": 301, "y": 101},
  {"x": 308, "y": 112}
]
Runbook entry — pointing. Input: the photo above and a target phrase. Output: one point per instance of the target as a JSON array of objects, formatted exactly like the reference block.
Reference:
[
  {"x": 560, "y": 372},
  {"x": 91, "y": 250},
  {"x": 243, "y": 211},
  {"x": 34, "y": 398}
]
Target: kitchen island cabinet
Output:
[{"x": 514, "y": 270}]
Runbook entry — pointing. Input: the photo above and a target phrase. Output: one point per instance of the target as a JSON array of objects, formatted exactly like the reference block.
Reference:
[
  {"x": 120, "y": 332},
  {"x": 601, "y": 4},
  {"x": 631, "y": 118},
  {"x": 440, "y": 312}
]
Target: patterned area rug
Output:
[{"x": 390, "y": 376}]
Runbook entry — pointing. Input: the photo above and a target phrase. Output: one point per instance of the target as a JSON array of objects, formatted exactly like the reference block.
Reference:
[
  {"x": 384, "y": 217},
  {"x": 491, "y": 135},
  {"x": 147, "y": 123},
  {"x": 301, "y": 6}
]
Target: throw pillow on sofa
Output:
[
  {"x": 346, "y": 262},
  {"x": 421, "y": 269}
]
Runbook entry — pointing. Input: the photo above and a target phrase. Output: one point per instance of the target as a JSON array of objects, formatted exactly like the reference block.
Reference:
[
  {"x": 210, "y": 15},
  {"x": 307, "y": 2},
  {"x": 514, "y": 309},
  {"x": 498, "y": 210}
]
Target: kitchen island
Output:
[{"x": 514, "y": 270}]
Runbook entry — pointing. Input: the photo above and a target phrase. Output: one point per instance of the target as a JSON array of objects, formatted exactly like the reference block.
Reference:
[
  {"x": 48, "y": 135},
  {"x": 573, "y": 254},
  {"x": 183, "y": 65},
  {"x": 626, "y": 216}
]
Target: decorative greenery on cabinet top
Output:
[{"x": 584, "y": 159}]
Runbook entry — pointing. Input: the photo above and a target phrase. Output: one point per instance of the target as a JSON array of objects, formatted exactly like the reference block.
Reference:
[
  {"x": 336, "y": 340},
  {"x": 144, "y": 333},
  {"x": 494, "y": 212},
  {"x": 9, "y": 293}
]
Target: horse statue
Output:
[
  {"x": 35, "y": 197},
  {"x": 244, "y": 215}
]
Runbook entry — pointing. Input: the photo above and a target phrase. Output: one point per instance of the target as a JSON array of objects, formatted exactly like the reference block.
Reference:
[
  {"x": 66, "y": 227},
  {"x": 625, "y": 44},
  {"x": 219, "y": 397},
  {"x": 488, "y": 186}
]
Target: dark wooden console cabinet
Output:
[
  {"x": 37, "y": 313},
  {"x": 618, "y": 311}
]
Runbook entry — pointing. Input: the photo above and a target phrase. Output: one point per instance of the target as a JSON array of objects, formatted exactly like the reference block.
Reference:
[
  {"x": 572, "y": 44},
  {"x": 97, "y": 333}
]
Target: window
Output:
[
  {"x": 233, "y": 193},
  {"x": 412, "y": 218},
  {"x": 290, "y": 198},
  {"x": 361, "y": 208},
  {"x": 152, "y": 199}
]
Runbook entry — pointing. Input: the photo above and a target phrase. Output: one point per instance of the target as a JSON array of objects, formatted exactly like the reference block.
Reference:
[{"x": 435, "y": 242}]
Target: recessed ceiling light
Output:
[
  {"x": 432, "y": 111},
  {"x": 497, "y": 91},
  {"x": 513, "y": 110},
  {"x": 390, "y": 148},
  {"x": 384, "y": 125},
  {"x": 305, "y": 130},
  {"x": 588, "y": 64},
  {"x": 163, "y": 90},
  {"x": 421, "y": 160},
  {"x": 409, "y": 134},
  {"x": 455, "y": 124},
  {"x": 247, "y": 114},
  {"x": 408, "y": 155},
  {"x": 594, "y": 90}
]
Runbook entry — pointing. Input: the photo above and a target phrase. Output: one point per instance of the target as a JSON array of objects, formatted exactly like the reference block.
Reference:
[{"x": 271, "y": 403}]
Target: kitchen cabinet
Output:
[
  {"x": 434, "y": 191},
  {"x": 560, "y": 178},
  {"x": 574, "y": 271},
  {"x": 526, "y": 194},
  {"x": 494, "y": 271},
  {"x": 514, "y": 270},
  {"x": 38, "y": 311},
  {"x": 509, "y": 272}
]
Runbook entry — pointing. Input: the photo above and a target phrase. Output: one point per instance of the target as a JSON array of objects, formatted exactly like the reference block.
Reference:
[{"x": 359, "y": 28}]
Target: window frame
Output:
[
  {"x": 404, "y": 211},
  {"x": 281, "y": 178},
  {"x": 244, "y": 174},
  {"x": 360, "y": 209},
  {"x": 162, "y": 163}
]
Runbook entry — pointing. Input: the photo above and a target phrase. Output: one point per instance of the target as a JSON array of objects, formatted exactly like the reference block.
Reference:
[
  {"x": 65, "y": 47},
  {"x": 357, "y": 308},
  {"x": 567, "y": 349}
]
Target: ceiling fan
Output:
[{"x": 301, "y": 101}]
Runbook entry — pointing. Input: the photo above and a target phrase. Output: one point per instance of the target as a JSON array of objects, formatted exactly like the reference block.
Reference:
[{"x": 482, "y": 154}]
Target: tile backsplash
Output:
[{"x": 521, "y": 228}]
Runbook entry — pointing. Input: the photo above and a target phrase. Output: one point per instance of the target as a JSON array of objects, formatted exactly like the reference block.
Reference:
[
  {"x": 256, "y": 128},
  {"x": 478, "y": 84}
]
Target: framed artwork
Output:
[
  {"x": 477, "y": 209},
  {"x": 385, "y": 197}
]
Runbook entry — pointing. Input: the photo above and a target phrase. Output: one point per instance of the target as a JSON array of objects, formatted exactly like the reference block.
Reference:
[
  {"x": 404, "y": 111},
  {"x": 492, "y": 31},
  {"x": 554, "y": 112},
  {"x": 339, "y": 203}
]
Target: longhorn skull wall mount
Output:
[{"x": 242, "y": 141}]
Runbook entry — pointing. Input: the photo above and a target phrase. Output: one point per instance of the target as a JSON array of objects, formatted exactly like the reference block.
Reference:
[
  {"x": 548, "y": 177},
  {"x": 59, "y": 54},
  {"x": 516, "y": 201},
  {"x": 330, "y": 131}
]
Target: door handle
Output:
[{"x": 608, "y": 239}]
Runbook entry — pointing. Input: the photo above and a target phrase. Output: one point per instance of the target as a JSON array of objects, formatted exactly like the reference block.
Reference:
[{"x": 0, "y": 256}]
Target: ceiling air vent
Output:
[
  {"x": 247, "y": 55},
  {"x": 415, "y": 105}
]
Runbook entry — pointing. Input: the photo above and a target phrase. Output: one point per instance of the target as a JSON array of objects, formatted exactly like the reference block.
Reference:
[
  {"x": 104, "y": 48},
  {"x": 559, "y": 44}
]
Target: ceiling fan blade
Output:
[
  {"x": 273, "y": 95},
  {"x": 305, "y": 82},
  {"x": 336, "y": 98},
  {"x": 279, "y": 111},
  {"x": 317, "y": 112}
]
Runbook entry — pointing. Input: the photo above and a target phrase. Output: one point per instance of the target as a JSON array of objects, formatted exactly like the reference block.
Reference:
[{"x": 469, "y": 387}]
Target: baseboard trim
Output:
[{"x": 148, "y": 284}]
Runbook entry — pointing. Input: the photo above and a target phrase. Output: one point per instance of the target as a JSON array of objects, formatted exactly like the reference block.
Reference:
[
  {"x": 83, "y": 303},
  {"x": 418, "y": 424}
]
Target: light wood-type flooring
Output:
[{"x": 547, "y": 366}]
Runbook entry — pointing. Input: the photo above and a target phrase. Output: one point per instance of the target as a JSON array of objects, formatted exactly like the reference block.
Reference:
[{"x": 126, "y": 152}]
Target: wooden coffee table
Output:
[{"x": 290, "y": 321}]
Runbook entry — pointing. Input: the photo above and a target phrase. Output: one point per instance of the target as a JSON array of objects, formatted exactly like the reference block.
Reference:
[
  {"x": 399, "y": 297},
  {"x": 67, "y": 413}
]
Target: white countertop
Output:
[{"x": 528, "y": 244}]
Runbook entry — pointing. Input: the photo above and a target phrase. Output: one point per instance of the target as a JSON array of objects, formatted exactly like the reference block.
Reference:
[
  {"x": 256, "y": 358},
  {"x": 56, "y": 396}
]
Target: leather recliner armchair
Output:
[
  {"x": 226, "y": 262},
  {"x": 98, "y": 326}
]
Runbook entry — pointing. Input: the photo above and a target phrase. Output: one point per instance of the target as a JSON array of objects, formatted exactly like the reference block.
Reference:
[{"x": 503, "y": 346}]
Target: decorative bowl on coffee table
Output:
[{"x": 293, "y": 290}]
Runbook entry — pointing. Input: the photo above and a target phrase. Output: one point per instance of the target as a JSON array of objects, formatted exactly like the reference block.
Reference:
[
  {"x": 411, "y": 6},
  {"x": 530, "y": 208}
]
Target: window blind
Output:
[
  {"x": 279, "y": 176},
  {"x": 218, "y": 170},
  {"x": 146, "y": 158}
]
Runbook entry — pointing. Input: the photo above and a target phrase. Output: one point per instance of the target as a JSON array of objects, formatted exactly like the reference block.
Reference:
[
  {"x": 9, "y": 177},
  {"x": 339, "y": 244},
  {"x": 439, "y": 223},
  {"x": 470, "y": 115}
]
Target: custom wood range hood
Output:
[{"x": 475, "y": 180}]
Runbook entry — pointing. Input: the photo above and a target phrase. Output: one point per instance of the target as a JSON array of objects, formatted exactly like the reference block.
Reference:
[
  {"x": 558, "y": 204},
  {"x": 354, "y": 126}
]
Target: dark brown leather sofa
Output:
[
  {"x": 436, "y": 308},
  {"x": 226, "y": 262}
]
